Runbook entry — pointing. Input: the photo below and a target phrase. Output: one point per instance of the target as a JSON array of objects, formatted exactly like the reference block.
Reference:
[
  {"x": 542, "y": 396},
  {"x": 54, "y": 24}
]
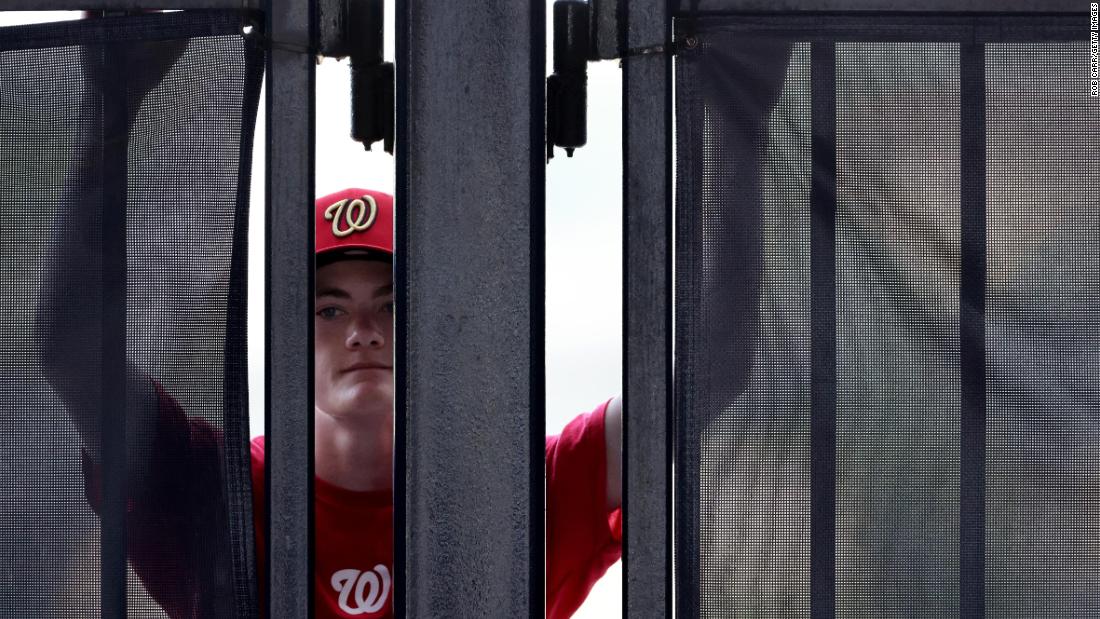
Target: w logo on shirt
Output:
[{"x": 351, "y": 582}]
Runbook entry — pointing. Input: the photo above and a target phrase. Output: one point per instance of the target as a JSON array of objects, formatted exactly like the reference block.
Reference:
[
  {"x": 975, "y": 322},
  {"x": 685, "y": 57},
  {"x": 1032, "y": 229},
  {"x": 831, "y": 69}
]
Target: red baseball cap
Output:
[{"x": 354, "y": 221}]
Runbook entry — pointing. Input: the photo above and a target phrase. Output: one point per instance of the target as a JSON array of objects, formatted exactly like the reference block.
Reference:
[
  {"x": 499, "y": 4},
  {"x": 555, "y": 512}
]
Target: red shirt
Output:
[
  {"x": 354, "y": 546},
  {"x": 582, "y": 538},
  {"x": 353, "y": 564}
]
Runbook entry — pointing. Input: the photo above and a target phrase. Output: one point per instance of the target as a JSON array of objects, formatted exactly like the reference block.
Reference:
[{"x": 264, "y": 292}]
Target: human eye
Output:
[
  {"x": 329, "y": 313},
  {"x": 388, "y": 307}
]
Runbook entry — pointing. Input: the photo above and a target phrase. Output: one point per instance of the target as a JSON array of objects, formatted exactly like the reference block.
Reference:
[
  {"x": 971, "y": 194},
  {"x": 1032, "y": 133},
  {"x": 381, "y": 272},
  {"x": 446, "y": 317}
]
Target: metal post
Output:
[
  {"x": 470, "y": 283},
  {"x": 289, "y": 362},
  {"x": 647, "y": 311}
]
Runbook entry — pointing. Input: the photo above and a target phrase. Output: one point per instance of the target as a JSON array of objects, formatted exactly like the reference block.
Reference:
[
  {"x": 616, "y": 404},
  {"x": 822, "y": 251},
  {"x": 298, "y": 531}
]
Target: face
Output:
[{"x": 353, "y": 352}]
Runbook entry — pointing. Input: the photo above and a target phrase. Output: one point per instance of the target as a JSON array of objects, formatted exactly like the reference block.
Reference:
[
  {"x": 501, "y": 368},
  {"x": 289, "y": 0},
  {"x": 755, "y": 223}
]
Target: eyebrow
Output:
[
  {"x": 333, "y": 292},
  {"x": 339, "y": 293}
]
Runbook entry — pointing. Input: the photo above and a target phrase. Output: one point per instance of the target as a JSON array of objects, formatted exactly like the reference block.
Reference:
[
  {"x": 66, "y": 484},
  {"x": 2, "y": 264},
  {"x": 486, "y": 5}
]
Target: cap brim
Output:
[{"x": 337, "y": 254}]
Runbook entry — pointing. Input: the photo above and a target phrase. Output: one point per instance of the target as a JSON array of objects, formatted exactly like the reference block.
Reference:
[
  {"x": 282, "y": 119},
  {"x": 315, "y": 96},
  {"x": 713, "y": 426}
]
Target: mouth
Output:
[{"x": 367, "y": 367}]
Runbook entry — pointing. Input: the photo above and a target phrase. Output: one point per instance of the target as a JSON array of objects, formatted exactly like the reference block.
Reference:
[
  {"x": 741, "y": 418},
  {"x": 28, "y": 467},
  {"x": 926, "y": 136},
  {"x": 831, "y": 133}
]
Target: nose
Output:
[{"x": 365, "y": 331}]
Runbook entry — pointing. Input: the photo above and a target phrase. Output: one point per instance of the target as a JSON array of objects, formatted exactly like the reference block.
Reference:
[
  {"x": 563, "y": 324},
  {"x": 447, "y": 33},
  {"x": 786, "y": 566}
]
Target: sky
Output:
[{"x": 583, "y": 247}]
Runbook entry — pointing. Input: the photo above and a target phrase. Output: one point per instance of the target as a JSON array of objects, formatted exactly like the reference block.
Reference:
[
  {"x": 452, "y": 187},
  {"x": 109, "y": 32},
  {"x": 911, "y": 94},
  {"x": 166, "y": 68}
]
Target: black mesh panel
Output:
[
  {"x": 897, "y": 299},
  {"x": 887, "y": 317},
  {"x": 1043, "y": 333},
  {"x": 754, "y": 409},
  {"x": 183, "y": 88}
]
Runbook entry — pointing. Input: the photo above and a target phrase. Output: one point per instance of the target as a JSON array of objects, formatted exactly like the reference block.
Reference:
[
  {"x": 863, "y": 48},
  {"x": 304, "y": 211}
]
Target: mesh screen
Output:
[
  {"x": 897, "y": 340},
  {"x": 1043, "y": 333},
  {"x": 846, "y": 187},
  {"x": 185, "y": 87}
]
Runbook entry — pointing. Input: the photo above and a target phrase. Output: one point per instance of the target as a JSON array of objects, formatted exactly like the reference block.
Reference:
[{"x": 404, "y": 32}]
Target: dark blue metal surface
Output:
[
  {"x": 289, "y": 362},
  {"x": 647, "y": 312},
  {"x": 470, "y": 285}
]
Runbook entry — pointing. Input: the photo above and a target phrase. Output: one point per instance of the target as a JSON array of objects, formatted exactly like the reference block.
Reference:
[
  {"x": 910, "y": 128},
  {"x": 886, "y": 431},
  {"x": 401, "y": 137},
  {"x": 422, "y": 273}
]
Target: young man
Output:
[
  {"x": 353, "y": 422},
  {"x": 354, "y": 415}
]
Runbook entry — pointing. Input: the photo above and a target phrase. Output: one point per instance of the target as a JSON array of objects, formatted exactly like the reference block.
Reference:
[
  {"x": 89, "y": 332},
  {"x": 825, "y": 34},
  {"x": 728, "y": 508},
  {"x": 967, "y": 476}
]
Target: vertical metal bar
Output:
[
  {"x": 823, "y": 338},
  {"x": 647, "y": 311},
  {"x": 972, "y": 330},
  {"x": 113, "y": 417},
  {"x": 470, "y": 286},
  {"x": 289, "y": 362},
  {"x": 401, "y": 312}
]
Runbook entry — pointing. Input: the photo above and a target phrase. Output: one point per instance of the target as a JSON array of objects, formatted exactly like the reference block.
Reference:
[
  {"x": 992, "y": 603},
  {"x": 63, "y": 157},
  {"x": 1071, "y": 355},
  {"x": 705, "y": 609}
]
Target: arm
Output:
[
  {"x": 171, "y": 460},
  {"x": 69, "y": 311},
  {"x": 69, "y": 315},
  {"x": 175, "y": 522}
]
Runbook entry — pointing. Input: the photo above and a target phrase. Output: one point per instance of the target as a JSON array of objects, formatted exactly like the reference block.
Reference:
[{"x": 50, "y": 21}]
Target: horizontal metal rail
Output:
[
  {"x": 694, "y": 7},
  {"x": 123, "y": 5}
]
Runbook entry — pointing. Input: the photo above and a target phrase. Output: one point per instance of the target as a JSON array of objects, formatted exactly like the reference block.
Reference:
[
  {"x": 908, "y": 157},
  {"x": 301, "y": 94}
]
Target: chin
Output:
[{"x": 363, "y": 399}]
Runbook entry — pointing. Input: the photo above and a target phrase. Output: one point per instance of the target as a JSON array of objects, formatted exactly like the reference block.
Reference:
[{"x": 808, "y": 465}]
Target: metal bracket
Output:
[
  {"x": 354, "y": 28},
  {"x": 567, "y": 88},
  {"x": 584, "y": 31}
]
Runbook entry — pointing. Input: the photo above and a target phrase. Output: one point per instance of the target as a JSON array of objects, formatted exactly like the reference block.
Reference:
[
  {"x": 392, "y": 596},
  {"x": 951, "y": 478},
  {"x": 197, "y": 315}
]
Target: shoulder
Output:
[
  {"x": 577, "y": 455},
  {"x": 256, "y": 448},
  {"x": 584, "y": 430}
]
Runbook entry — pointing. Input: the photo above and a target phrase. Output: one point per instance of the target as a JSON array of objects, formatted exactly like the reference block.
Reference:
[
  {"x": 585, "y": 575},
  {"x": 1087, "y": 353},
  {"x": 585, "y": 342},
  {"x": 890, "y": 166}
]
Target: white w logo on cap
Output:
[
  {"x": 345, "y": 581},
  {"x": 358, "y": 214}
]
